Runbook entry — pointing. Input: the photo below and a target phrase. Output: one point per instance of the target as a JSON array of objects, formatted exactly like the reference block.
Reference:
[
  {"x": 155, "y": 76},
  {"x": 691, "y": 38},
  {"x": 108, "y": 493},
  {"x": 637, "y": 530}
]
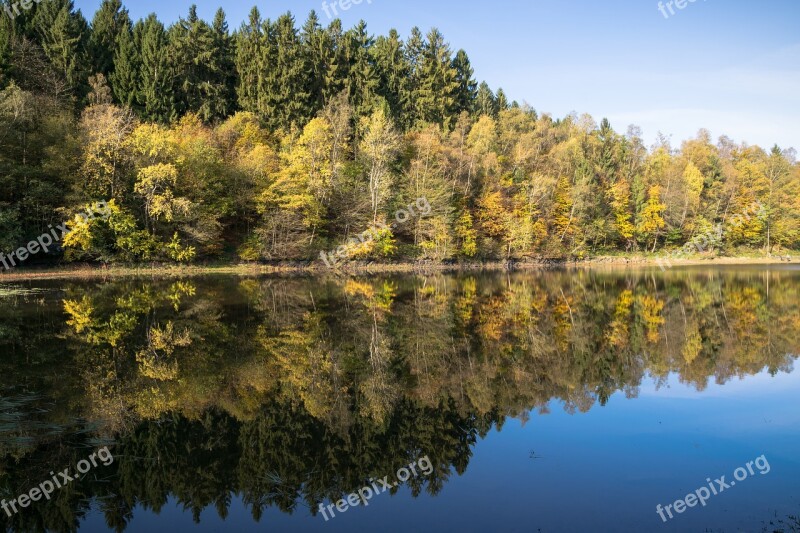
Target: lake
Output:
[{"x": 581, "y": 400}]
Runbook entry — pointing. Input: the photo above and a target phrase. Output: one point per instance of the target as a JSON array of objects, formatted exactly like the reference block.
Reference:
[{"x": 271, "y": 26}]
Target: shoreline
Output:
[{"x": 86, "y": 271}]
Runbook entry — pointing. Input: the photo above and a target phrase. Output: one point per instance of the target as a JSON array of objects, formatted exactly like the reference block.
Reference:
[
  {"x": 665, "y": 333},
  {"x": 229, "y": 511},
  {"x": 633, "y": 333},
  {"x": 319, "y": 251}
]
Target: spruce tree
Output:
[
  {"x": 502, "y": 100},
  {"x": 394, "y": 72},
  {"x": 6, "y": 34},
  {"x": 337, "y": 70},
  {"x": 362, "y": 81},
  {"x": 438, "y": 89},
  {"x": 223, "y": 94},
  {"x": 467, "y": 86},
  {"x": 485, "y": 102},
  {"x": 414, "y": 51},
  {"x": 63, "y": 34},
  {"x": 267, "y": 85},
  {"x": 249, "y": 42},
  {"x": 155, "y": 91},
  {"x": 288, "y": 95},
  {"x": 189, "y": 42},
  {"x": 127, "y": 62},
  {"x": 201, "y": 60},
  {"x": 108, "y": 25},
  {"x": 318, "y": 54}
]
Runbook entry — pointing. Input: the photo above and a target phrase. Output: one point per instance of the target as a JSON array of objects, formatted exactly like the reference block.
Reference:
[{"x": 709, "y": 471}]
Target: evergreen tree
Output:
[
  {"x": 318, "y": 54},
  {"x": 127, "y": 63},
  {"x": 467, "y": 86},
  {"x": 338, "y": 69},
  {"x": 502, "y": 100},
  {"x": 438, "y": 85},
  {"x": 191, "y": 58},
  {"x": 155, "y": 90},
  {"x": 362, "y": 81},
  {"x": 485, "y": 102},
  {"x": 223, "y": 94},
  {"x": 393, "y": 71},
  {"x": 288, "y": 97},
  {"x": 249, "y": 42},
  {"x": 6, "y": 35},
  {"x": 108, "y": 25},
  {"x": 63, "y": 34},
  {"x": 414, "y": 52}
]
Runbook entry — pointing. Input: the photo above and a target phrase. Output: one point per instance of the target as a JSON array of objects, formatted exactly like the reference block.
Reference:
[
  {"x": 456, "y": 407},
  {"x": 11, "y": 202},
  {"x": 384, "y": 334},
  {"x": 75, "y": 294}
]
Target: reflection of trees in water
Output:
[
  {"x": 287, "y": 391},
  {"x": 283, "y": 458}
]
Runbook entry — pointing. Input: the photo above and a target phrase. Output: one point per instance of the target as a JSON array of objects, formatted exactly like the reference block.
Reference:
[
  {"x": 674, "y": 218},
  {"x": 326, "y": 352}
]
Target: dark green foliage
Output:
[
  {"x": 288, "y": 100},
  {"x": 467, "y": 86},
  {"x": 156, "y": 95},
  {"x": 63, "y": 34},
  {"x": 394, "y": 71},
  {"x": 109, "y": 24},
  {"x": 502, "y": 100},
  {"x": 485, "y": 101},
  {"x": 250, "y": 41},
  {"x": 201, "y": 62},
  {"x": 361, "y": 81},
  {"x": 127, "y": 65}
]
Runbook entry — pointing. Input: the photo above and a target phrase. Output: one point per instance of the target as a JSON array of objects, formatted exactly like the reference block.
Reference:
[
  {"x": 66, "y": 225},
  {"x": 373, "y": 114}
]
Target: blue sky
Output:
[{"x": 731, "y": 66}]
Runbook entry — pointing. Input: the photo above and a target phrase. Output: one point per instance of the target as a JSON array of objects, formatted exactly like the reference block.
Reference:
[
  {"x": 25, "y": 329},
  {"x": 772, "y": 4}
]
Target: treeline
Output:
[{"x": 274, "y": 142}]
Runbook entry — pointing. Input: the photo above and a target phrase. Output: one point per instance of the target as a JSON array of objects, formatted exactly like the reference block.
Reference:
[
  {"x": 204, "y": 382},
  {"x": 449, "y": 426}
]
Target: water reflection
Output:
[{"x": 291, "y": 392}]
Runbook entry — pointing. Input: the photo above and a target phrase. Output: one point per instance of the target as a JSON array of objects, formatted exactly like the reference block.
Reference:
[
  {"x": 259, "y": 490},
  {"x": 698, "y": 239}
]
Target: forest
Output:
[{"x": 277, "y": 141}]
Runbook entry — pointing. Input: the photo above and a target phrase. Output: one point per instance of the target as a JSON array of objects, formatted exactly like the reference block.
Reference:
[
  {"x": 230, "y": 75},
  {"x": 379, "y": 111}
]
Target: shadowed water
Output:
[{"x": 553, "y": 401}]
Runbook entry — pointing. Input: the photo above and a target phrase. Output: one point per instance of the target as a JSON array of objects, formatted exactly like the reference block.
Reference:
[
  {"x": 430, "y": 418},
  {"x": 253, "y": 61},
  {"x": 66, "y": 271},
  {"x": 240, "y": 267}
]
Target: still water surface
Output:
[{"x": 554, "y": 401}]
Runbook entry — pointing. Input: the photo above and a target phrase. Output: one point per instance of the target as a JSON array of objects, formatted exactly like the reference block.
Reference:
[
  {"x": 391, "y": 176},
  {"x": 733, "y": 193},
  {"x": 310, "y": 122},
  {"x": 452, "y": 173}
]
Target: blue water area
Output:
[
  {"x": 542, "y": 401},
  {"x": 603, "y": 470}
]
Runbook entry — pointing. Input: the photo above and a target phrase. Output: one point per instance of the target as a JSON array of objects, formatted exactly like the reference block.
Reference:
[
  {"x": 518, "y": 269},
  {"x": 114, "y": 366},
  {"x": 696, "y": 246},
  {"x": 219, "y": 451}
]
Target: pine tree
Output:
[
  {"x": 127, "y": 62},
  {"x": 393, "y": 72},
  {"x": 362, "y": 81},
  {"x": 502, "y": 100},
  {"x": 108, "y": 25},
  {"x": 155, "y": 90},
  {"x": 485, "y": 102},
  {"x": 249, "y": 41},
  {"x": 63, "y": 35},
  {"x": 318, "y": 54},
  {"x": 437, "y": 96},
  {"x": 467, "y": 86}
]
